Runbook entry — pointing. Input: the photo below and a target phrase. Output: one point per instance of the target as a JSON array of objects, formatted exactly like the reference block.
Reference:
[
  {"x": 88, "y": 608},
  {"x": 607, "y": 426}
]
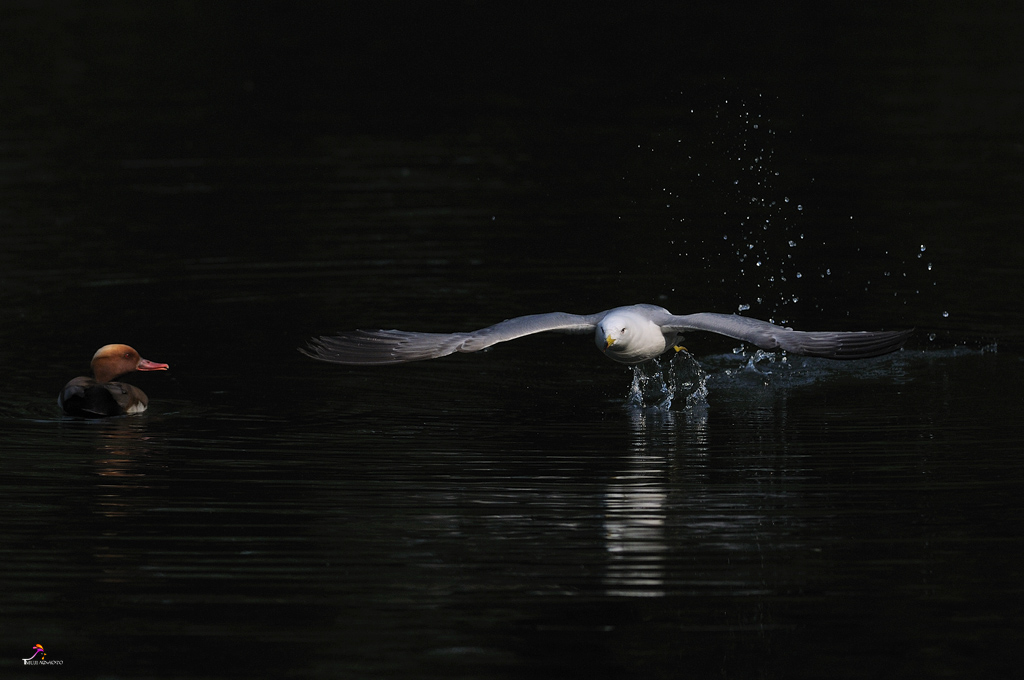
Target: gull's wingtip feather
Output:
[
  {"x": 382, "y": 347},
  {"x": 852, "y": 345}
]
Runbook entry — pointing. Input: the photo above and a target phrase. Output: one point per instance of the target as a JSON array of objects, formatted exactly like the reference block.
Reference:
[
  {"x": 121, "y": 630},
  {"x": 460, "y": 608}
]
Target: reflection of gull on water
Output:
[
  {"x": 635, "y": 510},
  {"x": 629, "y": 335},
  {"x": 635, "y": 539}
]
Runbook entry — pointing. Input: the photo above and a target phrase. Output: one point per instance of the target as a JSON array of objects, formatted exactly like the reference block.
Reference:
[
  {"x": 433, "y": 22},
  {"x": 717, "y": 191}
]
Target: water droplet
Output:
[
  {"x": 743, "y": 308},
  {"x": 792, "y": 244},
  {"x": 945, "y": 315}
]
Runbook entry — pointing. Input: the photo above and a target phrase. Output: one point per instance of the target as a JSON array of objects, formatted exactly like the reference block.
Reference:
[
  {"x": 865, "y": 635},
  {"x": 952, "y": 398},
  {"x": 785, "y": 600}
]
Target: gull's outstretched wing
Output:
[
  {"x": 831, "y": 345},
  {"x": 395, "y": 347}
]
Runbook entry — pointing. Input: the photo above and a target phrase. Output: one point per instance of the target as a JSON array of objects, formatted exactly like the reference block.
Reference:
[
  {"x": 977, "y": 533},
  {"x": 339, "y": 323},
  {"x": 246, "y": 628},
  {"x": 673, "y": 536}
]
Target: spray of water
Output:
[{"x": 657, "y": 383}]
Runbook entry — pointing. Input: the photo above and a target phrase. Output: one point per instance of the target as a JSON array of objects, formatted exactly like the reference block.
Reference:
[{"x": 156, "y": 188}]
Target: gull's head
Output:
[{"x": 613, "y": 335}]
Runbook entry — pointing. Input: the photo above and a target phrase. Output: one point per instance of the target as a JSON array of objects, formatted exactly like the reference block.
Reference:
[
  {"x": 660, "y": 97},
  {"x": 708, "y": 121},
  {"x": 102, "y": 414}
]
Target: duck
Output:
[{"x": 101, "y": 397}]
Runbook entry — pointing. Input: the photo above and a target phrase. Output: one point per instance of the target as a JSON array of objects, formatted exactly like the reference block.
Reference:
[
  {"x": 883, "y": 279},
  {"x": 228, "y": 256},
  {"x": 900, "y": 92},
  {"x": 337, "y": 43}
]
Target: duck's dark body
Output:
[{"x": 86, "y": 398}]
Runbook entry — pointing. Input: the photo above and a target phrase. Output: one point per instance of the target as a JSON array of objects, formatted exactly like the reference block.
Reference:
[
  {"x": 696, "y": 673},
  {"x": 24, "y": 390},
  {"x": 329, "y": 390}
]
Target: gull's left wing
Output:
[{"x": 828, "y": 344}]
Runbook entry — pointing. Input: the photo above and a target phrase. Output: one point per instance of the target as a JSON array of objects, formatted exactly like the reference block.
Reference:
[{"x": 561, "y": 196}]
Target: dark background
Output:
[{"x": 617, "y": 140}]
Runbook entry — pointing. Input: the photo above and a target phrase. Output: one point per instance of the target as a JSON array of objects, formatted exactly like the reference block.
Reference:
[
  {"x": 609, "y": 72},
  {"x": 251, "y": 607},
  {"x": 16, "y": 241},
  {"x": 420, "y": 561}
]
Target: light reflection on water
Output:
[{"x": 635, "y": 512}]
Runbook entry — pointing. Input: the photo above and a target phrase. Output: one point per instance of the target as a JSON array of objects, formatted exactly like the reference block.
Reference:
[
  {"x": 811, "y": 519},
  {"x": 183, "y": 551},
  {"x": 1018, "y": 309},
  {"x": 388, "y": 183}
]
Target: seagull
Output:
[{"x": 629, "y": 335}]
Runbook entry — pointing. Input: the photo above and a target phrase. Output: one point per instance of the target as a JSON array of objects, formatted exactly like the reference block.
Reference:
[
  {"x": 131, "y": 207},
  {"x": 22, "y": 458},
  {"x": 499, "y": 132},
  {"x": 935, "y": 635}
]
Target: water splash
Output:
[
  {"x": 652, "y": 387},
  {"x": 656, "y": 384},
  {"x": 693, "y": 381}
]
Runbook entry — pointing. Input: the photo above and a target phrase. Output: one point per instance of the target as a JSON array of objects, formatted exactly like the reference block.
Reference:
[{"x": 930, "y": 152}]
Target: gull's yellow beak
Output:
[{"x": 609, "y": 341}]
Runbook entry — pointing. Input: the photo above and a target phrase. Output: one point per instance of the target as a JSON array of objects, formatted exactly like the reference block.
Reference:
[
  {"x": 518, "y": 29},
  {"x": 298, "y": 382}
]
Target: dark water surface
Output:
[{"x": 214, "y": 185}]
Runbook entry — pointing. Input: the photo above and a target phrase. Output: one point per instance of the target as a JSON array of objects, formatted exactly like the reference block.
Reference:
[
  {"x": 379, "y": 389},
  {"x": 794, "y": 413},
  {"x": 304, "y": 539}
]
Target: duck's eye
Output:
[{"x": 127, "y": 355}]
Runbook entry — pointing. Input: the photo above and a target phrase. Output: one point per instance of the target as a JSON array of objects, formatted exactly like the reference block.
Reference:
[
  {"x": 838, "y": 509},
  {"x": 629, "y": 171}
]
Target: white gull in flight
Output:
[{"x": 629, "y": 335}]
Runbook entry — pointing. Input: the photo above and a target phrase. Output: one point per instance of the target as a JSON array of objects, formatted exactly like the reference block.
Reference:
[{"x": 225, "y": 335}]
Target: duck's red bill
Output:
[{"x": 147, "y": 365}]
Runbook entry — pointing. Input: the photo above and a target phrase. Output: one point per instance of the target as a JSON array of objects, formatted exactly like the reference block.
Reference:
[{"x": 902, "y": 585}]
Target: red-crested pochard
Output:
[{"x": 99, "y": 397}]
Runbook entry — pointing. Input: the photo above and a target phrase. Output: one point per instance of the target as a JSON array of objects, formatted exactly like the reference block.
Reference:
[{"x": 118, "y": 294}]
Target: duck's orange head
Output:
[{"x": 111, "y": 361}]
